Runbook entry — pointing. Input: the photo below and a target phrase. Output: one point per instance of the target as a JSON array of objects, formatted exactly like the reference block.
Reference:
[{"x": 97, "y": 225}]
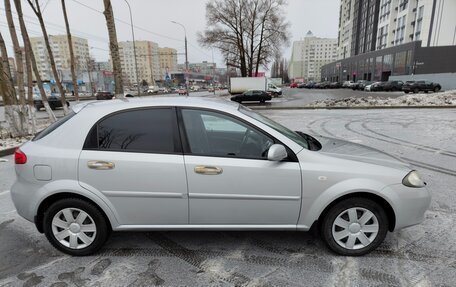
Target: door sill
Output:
[{"x": 210, "y": 227}]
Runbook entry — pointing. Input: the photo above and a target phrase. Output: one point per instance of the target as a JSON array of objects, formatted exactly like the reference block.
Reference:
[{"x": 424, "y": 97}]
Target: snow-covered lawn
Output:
[{"x": 447, "y": 98}]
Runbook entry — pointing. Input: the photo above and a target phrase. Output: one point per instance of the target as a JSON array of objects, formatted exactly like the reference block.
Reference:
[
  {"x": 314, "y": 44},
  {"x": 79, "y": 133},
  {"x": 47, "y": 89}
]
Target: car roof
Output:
[{"x": 138, "y": 102}]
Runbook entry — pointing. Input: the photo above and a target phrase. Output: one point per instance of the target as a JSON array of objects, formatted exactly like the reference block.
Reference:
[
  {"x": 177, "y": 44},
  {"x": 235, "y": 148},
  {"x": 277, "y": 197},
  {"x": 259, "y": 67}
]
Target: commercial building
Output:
[
  {"x": 168, "y": 61},
  {"x": 397, "y": 38},
  {"x": 148, "y": 61},
  {"x": 61, "y": 51},
  {"x": 309, "y": 55}
]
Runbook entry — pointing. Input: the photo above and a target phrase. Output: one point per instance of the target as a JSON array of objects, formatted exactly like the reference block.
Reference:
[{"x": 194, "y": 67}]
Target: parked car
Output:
[
  {"x": 310, "y": 85},
  {"x": 302, "y": 85},
  {"x": 358, "y": 85},
  {"x": 206, "y": 164},
  {"x": 372, "y": 87},
  {"x": 54, "y": 101},
  {"x": 392, "y": 86},
  {"x": 347, "y": 84},
  {"x": 182, "y": 91},
  {"x": 104, "y": 95},
  {"x": 421, "y": 86},
  {"x": 322, "y": 85},
  {"x": 252, "y": 95},
  {"x": 163, "y": 90},
  {"x": 335, "y": 85},
  {"x": 363, "y": 84},
  {"x": 294, "y": 85}
]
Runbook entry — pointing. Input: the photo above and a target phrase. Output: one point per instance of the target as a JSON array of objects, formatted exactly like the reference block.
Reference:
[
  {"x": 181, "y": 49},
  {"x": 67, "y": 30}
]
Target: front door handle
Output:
[
  {"x": 100, "y": 164},
  {"x": 208, "y": 170}
]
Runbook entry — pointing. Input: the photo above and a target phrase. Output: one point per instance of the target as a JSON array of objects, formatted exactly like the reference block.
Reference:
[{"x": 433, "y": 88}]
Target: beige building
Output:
[
  {"x": 148, "y": 61},
  {"x": 168, "y": 61},
  {"x": 309, "y": 54},
  {"x": 61, "y": 52}
]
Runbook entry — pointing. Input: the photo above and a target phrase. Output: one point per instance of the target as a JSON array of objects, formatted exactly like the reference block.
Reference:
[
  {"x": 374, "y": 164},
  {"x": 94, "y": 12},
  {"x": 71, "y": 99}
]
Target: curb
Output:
[{"x": 8, "y": 151}]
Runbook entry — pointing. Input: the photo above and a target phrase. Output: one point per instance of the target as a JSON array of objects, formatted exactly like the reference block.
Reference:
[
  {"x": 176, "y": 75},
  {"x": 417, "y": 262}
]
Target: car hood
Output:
[{"x": 357, "y": 152}]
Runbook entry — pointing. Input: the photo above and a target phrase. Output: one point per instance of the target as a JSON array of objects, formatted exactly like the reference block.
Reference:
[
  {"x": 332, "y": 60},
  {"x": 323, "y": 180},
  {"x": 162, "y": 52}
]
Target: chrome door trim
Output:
[
  {"x": 148, "y": 194},
  {"x": 241, "y": 196}
]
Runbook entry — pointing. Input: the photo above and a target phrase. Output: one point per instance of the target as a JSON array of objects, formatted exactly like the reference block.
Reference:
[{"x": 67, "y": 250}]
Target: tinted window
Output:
[
  {"x": 145, "y": 130},
  {"x": 53, "y": 126},
  {"x": 214, "y": 134}
]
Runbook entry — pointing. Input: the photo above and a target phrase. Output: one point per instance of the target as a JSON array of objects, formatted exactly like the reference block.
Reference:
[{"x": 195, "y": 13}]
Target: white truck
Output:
[{"x": 240, "y": 85}]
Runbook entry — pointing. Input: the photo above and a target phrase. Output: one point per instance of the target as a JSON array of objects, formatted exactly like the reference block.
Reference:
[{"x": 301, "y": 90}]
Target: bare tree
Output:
[
  {"x": 249, "y": 33},
  {"x": 70, "y": 45},
  {"x": 20, "y": 109},
  {"x": 37, "y": 10},
  {"x": 114, "y": 48},
  {"x": 31, "y": 57}
]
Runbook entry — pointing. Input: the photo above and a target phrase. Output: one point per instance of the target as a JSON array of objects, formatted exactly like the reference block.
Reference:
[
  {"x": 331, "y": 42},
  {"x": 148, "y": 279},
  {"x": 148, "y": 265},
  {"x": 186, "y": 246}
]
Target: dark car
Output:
[
  {"x": 377, "y": 86},
  {"x": 104, "y": 96},
  {"x": 421, "y": 86},
  {"x": 252, "y": 95},
  {"x": 335, "y": 85},
  {"x": 53, "y": 100},
  {"x": 302, "y": 85},
  {"x": 392, "y": 86},
  {"x": 358, "y": 84},
  {"x": 323, "y": 85},
  {"x": 310, "y": 85}
]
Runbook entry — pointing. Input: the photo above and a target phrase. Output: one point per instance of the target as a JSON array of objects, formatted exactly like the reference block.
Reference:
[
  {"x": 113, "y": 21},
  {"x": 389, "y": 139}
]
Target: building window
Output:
[
  {"x": 403, "y": 5},
  {"x": 419, "y": 23}
]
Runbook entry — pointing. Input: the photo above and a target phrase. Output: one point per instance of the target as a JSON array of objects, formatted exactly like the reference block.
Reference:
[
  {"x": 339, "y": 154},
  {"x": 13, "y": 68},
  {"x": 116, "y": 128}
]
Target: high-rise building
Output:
[
  {"x": 61, "y": 51},
  {"x": 346, "y": 20},
  {"x": 365, "y": 21},
  {"x": 148, "y": 61},
  {"x": 309, "y": 54},
  {"x": 168, "y": 61}
]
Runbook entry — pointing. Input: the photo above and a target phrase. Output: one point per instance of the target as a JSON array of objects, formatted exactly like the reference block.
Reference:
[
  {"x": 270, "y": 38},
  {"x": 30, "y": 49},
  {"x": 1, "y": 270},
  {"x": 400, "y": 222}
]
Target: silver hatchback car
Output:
[{"x": 186, "y": 163}]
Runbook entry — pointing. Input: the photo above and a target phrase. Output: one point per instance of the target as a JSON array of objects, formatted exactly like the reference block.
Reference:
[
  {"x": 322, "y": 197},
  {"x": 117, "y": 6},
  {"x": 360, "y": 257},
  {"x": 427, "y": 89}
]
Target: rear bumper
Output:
[{"x": 24, "y": 198}]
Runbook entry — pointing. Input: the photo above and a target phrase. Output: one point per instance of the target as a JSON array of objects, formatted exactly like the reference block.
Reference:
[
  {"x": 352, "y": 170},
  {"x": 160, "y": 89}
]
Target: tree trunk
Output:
[
  {"x": 70, "y": 44},
  {"x": 28, "y": 50},
  {"x": 21, "y": 109},
  {"x": 39, "y": 15},
  {"x": 114, "y": 48}
]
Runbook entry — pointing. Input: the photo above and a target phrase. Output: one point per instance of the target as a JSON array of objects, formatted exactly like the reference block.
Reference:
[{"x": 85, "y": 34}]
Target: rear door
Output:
[{"x": 134, "y": 158}]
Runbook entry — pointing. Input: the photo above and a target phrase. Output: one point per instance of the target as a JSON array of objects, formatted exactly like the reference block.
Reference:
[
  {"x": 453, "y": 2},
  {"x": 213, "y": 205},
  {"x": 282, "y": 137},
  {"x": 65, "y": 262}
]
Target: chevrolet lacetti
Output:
[{"x": 186, "y": 163}]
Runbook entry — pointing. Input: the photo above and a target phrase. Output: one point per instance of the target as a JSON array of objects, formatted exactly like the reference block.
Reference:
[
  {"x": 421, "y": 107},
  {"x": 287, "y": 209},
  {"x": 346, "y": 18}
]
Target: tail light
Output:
[{"x": 20, "y": 157}]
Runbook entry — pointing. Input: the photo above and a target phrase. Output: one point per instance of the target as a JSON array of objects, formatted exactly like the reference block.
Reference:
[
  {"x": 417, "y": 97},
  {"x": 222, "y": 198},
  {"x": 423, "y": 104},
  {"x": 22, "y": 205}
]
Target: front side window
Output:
[
  {"x": 142, "y": 130},
  {"x": 213, "y": 134}
]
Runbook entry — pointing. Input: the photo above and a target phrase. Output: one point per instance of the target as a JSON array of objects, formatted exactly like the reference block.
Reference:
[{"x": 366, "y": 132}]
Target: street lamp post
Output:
[
  {"x": 134, "y": 48},
  {"x": 186, "y": 56}
]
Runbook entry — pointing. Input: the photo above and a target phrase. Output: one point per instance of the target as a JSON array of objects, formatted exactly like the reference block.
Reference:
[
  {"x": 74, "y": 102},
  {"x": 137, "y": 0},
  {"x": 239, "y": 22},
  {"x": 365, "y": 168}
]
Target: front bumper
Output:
[{"x": 409, "y": 204}]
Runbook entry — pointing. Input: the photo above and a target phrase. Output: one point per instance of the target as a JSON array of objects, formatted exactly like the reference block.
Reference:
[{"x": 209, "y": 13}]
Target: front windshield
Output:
[{"x": 276, "y": 126}]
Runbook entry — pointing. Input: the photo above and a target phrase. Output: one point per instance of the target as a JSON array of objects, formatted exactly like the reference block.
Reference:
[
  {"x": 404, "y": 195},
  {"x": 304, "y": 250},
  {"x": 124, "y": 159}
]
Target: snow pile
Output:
[
  {"x": 447, "y": 98},
  {"x": 7, "y": 142}
]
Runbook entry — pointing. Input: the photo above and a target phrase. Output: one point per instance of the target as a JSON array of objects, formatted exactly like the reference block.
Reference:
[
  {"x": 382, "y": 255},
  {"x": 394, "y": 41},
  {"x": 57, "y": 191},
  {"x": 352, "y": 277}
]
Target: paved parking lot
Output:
[{"x": 423, "y": 255}]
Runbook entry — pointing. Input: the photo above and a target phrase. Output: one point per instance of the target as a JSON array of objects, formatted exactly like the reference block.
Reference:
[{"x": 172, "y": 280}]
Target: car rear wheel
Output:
[
  {"x": 75, "y": 226},
  {"x": 436, "y": 89},
  {"x": 415, "y": 91},
  {"x": 354, "y": 226}
]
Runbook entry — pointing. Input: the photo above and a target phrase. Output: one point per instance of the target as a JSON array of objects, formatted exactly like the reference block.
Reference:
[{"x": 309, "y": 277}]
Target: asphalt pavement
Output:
[{"x": 422, "y": 255}]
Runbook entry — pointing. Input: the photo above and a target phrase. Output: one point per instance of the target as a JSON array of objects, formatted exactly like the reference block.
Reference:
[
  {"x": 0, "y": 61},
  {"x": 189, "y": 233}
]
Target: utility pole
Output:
[{"x": 186, "y": 56}]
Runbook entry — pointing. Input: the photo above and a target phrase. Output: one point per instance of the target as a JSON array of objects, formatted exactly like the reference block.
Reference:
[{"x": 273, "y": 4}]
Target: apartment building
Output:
[
  {"x": 346, "y": 20},
  {"x": 168, "y": 61},
  {"x": 397, "y": 38},
  {"x": 309, "y": 55},
  {"x": 148, "y": 61},
  {"x": 61, "y": 51}
]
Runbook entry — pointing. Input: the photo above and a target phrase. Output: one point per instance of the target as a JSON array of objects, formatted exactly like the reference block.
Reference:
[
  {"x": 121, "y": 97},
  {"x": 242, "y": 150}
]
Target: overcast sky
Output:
[{"x": 152, "y": 19}]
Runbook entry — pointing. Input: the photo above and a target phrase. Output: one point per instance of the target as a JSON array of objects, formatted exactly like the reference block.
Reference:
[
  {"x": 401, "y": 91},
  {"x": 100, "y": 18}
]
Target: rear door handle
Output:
[
  {"x": 208, "y": 170},
  {"x": 100, "y": 164}
]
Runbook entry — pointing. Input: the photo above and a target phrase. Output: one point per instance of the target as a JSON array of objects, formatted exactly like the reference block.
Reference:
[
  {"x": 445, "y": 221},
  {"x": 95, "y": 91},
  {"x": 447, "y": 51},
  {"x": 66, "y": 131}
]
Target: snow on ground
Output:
[
  {"x": 447, "y": 98},
  {"x": 7, "y": 142}
]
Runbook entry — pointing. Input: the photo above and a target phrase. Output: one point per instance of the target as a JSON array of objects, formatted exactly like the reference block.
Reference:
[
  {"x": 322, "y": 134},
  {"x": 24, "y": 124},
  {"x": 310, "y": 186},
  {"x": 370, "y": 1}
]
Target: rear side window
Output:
[
  {"x": 53, "y": 126},
  {"x": 143, "y": 130}
]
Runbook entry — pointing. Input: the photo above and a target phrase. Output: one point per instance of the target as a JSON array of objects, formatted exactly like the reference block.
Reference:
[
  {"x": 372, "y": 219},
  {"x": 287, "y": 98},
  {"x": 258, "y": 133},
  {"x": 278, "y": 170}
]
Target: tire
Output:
[
  {"x": 94, "y": 240},
  {"x": 436, "y": 89},
  {"x": 406, "y": 92},
  {"x": 262, "y": 101},
  {"x": 415, "y": 91},
  {"x": 68, "y": 104},
  {"x": 340, "y": 211},
  {"x": 37, "y": 108}
]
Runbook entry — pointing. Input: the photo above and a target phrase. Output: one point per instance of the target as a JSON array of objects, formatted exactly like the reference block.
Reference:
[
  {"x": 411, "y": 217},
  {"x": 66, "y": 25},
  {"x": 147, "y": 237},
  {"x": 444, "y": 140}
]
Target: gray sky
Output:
[{"x": 153, "y": 18}]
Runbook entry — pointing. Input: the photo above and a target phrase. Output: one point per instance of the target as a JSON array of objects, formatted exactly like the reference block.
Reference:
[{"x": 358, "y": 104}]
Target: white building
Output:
[
  {"x": 309, "y": 54},
  {"x": 345, "y": 28},
  {"x": 429, "y": 21},
  {"x": 148, "y": 61},
  {"x": 61, "y": 51}
]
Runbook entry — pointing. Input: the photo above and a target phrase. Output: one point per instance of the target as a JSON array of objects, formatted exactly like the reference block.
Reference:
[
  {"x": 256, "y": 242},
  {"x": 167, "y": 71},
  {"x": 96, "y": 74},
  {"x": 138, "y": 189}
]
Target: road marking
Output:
[
  {"x": 8, "y": 212},
  {"x": 4, "y": 192}
]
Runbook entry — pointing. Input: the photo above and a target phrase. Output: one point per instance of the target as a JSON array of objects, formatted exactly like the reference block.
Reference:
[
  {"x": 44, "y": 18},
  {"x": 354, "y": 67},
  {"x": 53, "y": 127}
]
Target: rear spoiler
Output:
[{"x": 77, "y": 108}]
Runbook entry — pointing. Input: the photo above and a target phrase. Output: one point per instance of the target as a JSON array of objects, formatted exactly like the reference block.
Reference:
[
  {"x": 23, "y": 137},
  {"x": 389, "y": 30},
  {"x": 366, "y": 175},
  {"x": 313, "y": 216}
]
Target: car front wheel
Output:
[
  {"x": 354, "y": 226},
  {"x": 436, "y": 89},
  {"x": 75, "y": 226}
]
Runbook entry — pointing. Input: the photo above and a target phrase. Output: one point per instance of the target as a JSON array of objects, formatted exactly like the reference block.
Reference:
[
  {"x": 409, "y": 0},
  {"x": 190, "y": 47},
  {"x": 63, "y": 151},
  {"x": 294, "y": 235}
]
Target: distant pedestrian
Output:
[{"x": 72, "y": 93}]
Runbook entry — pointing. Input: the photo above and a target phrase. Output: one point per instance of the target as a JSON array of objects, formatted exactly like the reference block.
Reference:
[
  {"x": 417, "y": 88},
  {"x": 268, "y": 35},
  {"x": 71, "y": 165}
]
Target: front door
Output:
[
  {"x": 230, "y": 180},
  {"x": 134, "y": 159}
]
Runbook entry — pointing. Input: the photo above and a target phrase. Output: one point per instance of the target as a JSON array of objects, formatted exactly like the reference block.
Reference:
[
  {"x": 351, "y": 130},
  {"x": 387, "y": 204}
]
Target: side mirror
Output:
[{"x": 277, "y": 152}]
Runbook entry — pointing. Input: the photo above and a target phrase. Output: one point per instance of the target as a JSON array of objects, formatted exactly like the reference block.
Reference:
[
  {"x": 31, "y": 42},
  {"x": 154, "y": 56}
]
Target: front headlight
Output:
[{"x": 413, "y": 179}]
